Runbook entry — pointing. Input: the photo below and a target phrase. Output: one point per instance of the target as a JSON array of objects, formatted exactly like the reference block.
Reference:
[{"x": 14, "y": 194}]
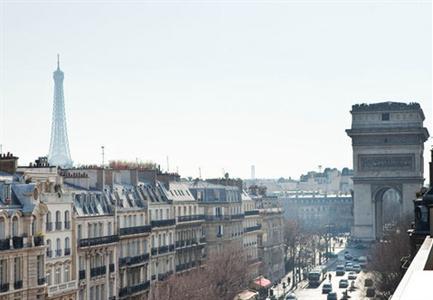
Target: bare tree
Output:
[
  {"x": 222, "y": 276},
  {"x": 124, "y": 164},
  {"x": 385, "y": 258}
]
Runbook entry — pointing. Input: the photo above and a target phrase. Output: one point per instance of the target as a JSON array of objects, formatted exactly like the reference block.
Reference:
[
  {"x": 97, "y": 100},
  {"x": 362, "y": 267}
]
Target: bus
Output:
[{"x": 316, "y": 276}]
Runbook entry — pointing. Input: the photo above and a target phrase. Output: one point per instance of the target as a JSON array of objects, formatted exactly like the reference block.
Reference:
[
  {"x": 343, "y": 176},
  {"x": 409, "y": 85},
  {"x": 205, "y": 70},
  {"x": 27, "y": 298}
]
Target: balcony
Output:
[
  {"x": 98, "y": 271},
  {"x": 154, "y": 251},
  {"x": 4, "y": 287},
  {"x": 133, "y": 260},
  {"x": 153, "y": 277},
  {"x": 163, "y": 223},
  {"x": 18, "y": 284},
  {"x": 171, "y": 248},
  {"x": 49, "y": 253},
  {"x": 254, "y": 212},
  {"x": 38, "y": 241},
  {"x": 82, "y": 274},
  {"x": 253, "y": 228},
  {"x": 58, "y": 225},
  {"x": 111, "y": 267},
  {"x": 219, "y": 235},
  {"x": 127, "y": 291},
  {"x": 49, "y": 226},
  {"x": 162, "y": 249},
  {"x": 58, "y": 252},
  {"x": 202, "y": 240},
  {"x": 67, "y": 251},
  {"x": 41, "y": 281},
  {"x": 135, "y": 230},
  {"x": 17, "y": 242},
  {"x": 67, "y": 224},
  {"x": 98, "y": 241},
  {"x": 238, "y": 216},
  {"x": 191, "y": 218},
  {"x": 5, "y": 244},
  {"x": 164, "y": 276},
  {"x": 217, "y": 218}
]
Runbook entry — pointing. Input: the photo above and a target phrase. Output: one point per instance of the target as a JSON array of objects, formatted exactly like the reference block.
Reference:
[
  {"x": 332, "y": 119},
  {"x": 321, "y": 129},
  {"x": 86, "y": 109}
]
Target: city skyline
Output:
[{"x": 216, "y": 103}]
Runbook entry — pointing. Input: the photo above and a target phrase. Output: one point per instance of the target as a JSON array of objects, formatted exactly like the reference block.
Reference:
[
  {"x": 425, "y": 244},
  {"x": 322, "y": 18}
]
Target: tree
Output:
[
  {"x": 385, "y": 258},
  {"x": 222, "y": 276},
  {"x": 126, "y": 165}
]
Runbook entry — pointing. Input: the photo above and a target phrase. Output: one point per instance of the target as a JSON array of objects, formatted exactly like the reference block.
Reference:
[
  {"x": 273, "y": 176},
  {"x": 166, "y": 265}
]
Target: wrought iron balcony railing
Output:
[
  {"x": 5, "y": 244},
  {"x": 58, "y": 225},
  {"x": 253, "y": 228},
  {"x": 18, "y": 284},
  {"x": 4, "y": 287},
  {"x": 98, "y": 271},
  {"x": 133, "y": 260},
  {"x": 17, "y": 242},
  {"x": 98, "y": 241},
  {"x": 163, "y": 223},
  {"x": 190, "y": 218},
  {"x": 82, "y": 274},
  {"x": 135, "y": 230},
  {"x": 252, "y": 212}
]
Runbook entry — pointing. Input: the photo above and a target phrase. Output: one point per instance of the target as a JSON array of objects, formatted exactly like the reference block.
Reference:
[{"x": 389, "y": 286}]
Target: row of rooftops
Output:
[{"x": 96, "y": 191}]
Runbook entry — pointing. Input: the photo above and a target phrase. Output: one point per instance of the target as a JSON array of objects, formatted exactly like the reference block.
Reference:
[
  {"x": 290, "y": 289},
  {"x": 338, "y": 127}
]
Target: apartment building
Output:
[
  {"x": 95, "y": 231},
  {"x": 189, "y": 236},
  {"x": 252, "y": 230},
  {"x": 22, "y": 250},
  {"x": 222, "y": 207}
]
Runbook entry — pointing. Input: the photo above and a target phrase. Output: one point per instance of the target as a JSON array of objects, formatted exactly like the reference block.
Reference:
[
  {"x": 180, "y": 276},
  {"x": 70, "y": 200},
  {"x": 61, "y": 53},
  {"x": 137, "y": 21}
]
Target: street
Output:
[{"x": 303, "y": 291}]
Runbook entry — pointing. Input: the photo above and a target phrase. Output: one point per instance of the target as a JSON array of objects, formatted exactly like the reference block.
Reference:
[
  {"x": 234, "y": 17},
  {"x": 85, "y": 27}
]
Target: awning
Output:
[
  {"x": 263, "y": 282},
  {"x": 246, "y": 295}
]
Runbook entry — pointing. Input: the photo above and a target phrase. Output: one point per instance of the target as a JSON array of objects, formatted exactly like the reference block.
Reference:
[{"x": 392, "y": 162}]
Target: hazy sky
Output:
[{"x": 217, "y": 85}]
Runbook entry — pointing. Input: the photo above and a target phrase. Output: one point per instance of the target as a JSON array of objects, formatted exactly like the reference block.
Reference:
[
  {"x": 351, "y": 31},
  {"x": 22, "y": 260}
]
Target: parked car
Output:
[
  {"x": 362, "y": 261},
  {"x": 352, "y": 275},
  {"x": 332, "y": 296},
  {"x": 356, "y": 268},
  {"x": 291, "y": 296},
  {"x": 344, "y": 283},
  {"x": 348, "y": 256},
  {"x": 339, "y": 271},
  {"x": 326, "y": 288}
]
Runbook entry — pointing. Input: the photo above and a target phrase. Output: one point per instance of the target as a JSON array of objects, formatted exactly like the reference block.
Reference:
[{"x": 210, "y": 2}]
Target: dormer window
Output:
[{"x": 385, "y": 116}]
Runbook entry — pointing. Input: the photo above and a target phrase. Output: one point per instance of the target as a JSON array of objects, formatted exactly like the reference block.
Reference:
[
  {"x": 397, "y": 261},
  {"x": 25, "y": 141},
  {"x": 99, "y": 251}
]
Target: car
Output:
[
  {"x": 348, "y": 256},
  {"x": 356, "y": 268},
  {"x": 290, "y": 296},
  {"x": 349, "y": 267},
  {"x": 352, "y": 275},
  {"x": 355, "y": 259},
  {"x": 326, "y": 288},
  {"x": 332, "y": 296},
  {"x": 343, "y": 284},
  {"x": 339, "y": 271}
]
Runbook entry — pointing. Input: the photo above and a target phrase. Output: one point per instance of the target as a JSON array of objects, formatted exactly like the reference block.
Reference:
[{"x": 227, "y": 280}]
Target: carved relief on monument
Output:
[
  {"x": 406, "y": 139},
  {"x": 386, "y": 162}
]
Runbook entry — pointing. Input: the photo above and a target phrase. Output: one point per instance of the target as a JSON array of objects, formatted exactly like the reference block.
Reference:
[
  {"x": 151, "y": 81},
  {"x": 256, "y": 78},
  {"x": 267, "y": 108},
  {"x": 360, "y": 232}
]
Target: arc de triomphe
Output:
[{"x": 388, "y": 144}]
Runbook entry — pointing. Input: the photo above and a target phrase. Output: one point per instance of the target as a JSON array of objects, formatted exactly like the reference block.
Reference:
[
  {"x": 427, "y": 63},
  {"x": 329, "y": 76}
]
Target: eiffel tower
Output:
[{"x": 59, "y": 154}]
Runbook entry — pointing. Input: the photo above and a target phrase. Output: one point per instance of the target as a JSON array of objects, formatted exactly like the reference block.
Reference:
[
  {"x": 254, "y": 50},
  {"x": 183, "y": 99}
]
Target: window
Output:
[
  {"x": 79, "y": 234},
  {"x": 33, "y": 225},
  {"x": 109, "y": 228},
  {"x": 89, "y": 230},
  {"x": 67, "y": 246},
  {"x": 66, "y": 275},
  {"x": 67, "y": 221},
  {"x": 40, "y": 266},
  {"x": 49, "y": 250},
  {"x": 17, "y": 269},
  {"x": 15, "y": 226},
  {"x": 57, "y": 278},
  {"x": 3, "y": 271},
  {"x": 101, "y": 230},
  {"x": 58, "y": 248},
  {"x": 385, "y": 116},
  {"x": 58, "y": 222},
  {"x": 49, "y": 277},
  {"x": 2, "y": 229},
  {"x": 48, "y": 221}
]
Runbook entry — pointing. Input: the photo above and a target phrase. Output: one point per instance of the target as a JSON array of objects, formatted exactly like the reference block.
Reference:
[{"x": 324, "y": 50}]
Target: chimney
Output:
[{"x": 8, "y": 163}]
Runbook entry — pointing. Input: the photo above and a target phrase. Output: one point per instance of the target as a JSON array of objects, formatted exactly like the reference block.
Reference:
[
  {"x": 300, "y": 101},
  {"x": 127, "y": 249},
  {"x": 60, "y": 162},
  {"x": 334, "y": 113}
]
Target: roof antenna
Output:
[{"x": 58, "y": 61}]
